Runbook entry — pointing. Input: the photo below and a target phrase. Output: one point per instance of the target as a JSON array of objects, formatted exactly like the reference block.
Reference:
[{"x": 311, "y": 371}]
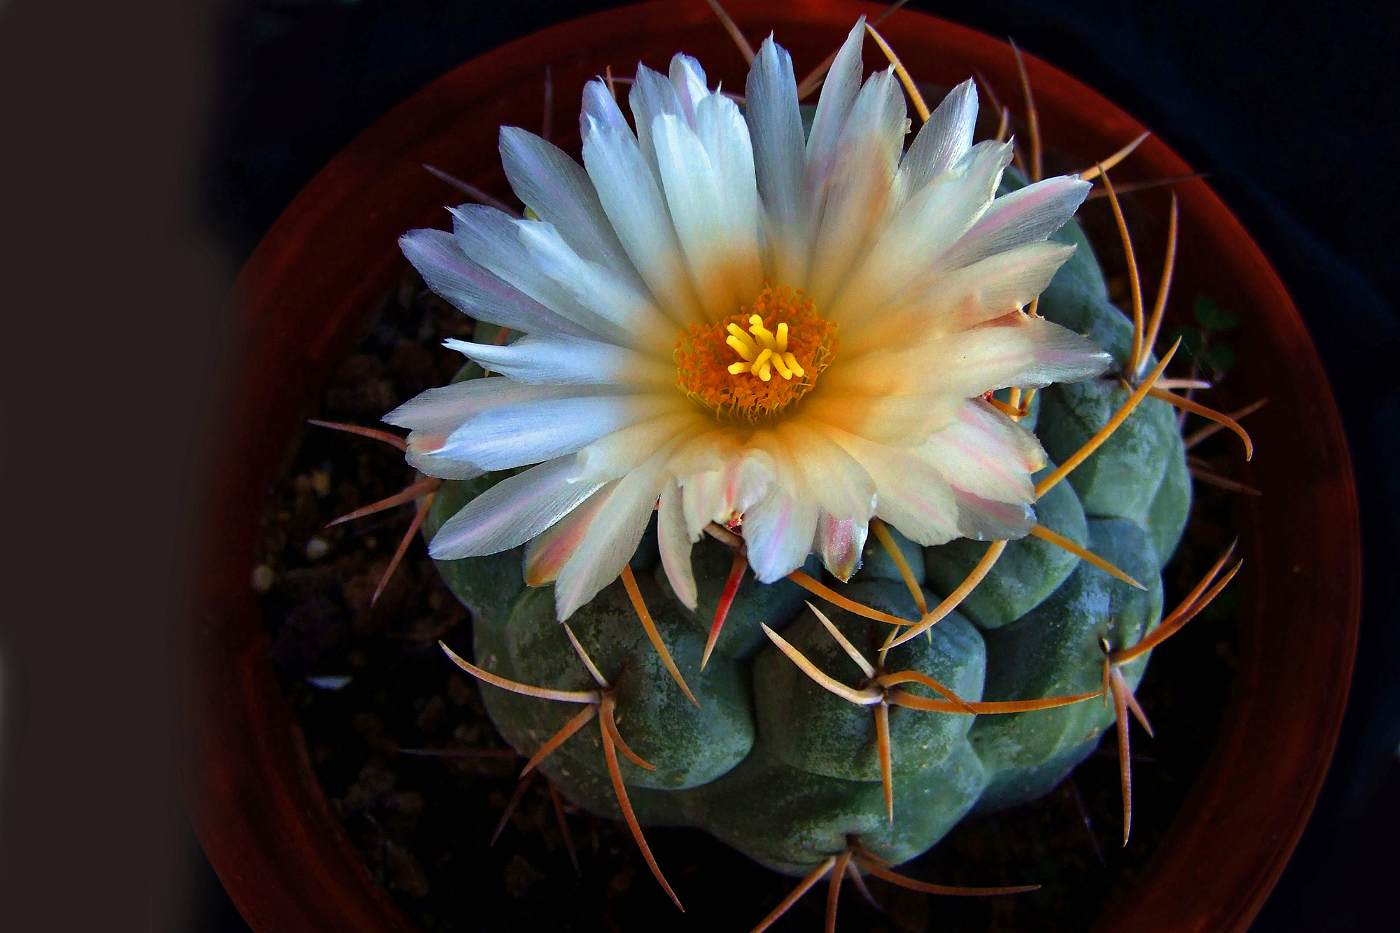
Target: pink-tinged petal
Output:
[
  {"x": 986, "y": 520},
  {"x": 989, "y": 458},
  {"x": 421, "y": 454},
  {"x": 840, "y": 543},
  {"x": 511, "y": 512},
  {"x": 674, "y": 542},
  {"x": 778, "y": 534},
  {"x": 900, "y": 419},
  {"x": 688, "y": 78},
  {"x": 1027, "y": 215},
  {"x": 507, "y": 437},
  {"x": 612, "y": 538},
  {"x": 473, "y": 290},
  {"x": 910, "y": 493},
  {"x": 546, "y": 554},
  {"x": 839, "y": 91},
  {"x": 718, "y": 495}
]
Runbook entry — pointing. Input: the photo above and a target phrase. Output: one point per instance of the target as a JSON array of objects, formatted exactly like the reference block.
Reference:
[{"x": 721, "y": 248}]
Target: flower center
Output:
[{"x": 752, "y": 365}]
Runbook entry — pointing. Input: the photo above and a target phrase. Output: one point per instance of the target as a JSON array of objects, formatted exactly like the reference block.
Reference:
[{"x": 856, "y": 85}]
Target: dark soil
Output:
[{"x": 415, "y": 771}]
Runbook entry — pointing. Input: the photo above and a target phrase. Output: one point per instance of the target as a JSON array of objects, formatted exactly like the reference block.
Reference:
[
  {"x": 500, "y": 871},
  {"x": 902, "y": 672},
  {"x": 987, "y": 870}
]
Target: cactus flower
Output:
[{"x": 730, "y": 318}]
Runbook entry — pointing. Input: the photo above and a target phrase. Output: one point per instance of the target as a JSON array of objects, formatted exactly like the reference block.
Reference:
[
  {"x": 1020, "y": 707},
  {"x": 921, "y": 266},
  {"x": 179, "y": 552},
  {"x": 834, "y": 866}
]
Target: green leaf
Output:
[{"x": 1211, "y": 316}]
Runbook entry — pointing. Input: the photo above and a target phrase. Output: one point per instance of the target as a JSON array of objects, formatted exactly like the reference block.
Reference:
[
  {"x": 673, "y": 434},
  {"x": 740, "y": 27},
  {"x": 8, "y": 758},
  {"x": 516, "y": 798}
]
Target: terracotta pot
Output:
[{"x": 260, "y": 813}]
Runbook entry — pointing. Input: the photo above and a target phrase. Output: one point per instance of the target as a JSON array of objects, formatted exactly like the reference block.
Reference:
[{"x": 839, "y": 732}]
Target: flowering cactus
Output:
[{"x": 825, "y": 476}]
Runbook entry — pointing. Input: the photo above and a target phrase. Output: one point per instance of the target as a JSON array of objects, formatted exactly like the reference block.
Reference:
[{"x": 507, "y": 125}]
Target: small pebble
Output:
[
  {"x": 316, "y": 548},
  {"x": 263, "y": 578}
]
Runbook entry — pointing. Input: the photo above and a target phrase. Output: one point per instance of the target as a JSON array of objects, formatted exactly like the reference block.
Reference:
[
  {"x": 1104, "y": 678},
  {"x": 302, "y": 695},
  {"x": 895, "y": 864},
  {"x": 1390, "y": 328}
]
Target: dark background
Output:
[{"x": 147, "y": 147}]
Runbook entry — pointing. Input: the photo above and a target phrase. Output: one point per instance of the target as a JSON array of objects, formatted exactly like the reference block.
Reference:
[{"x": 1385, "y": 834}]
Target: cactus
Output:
[
  {"x": 784, "y": 770},
  {"x": 822, "y": 721}
]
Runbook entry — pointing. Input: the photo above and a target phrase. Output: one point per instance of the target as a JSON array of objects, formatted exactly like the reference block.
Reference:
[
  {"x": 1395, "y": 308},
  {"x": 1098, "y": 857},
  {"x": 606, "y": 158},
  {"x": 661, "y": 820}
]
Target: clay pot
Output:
[{"x": 260, "y": 813}]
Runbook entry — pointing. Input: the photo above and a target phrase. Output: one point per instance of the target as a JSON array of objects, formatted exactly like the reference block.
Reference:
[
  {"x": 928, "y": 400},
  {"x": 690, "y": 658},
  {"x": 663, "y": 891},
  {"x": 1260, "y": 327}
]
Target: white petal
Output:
[
  {"x": 613, "y": 456},
  {"x": 674, "y": 542},
  {"x": 618, "y": 299},
  {"x": 557, "y": 189},
  {"x": 444, "y": 409},
  {"x": 716, "y": 223},
  {"x": 688, "y": 78},
  {"x": 902, "y": 418},
  {"x": 568, "y": 361},
  {"x": 472, "y": 289},
  {"x": 919, "y": 232},
  {"x": 518, "y": 434},
  {"x": 860, "y": 184},
  {"x": 987, "y": 454},
  {"x": 600, "y": 110},
  {"x": 421, "y": 454},
  {"x": 652, "y": 96},
  {"x": 717, "y": 495},
  {"x": 839, "y": 485},
  {"x": 942, "y": 141},
  {"x": 833, "y": 105},
  {"x": 775, "y": 128},
  {"x": 492, "y": 238},
  {"x": 612, "y": 537},
  {"x": 1023, "y": 351},
  {"x": 1027, "y": 215},
  {"x": 511, "y": 512},
  {"x": 547, "y": 553},
  {"x": 628, "y": 190},
  {"x": 911, "y": 494}
]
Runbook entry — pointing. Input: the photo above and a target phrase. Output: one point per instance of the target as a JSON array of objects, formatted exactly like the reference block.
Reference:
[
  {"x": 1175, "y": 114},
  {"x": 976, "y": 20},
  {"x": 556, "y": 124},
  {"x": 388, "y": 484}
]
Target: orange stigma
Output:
[{"x": 752, "y": 365}]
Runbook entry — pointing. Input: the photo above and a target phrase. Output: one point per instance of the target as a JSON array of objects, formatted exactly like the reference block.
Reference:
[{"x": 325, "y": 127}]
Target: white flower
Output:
[{"x": 786, "y": 334}]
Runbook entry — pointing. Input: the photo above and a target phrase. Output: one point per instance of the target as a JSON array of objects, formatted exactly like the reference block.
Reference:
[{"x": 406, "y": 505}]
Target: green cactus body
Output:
[{"x": 787, "y": 772}]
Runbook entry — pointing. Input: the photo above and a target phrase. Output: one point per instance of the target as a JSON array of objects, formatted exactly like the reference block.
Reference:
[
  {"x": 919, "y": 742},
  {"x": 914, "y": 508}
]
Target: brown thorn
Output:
[
  {"x": 611, "y": 82},
  {"x": 629, "y": 582},
  {"x": 804, "y": 580},
  {"x": 953, "y": 600},
  {"x": 515, "y": 686},
  {"x": 565, "y": 732},
  {"x": 726, "y": 602},
  {"x": 563, "y": 821},
  {"x": 1174, "y": 623},
  {"x": 894, "y": 877},
  {"x": 1125, "y": 763},
  {"x": 593, "y": 671},
  {"x": 393, "y": 440},
  {"x": 1148, "y": 185},
  {"x": 732, "y": 28},
  {"x": 795, "y": 895},
  {"x": 1032, "y": 115},
  {"x": 910, "y": 88},
  {"x": 858, "y": 880},
  {"x": 1211, "y": 478},
  {"x": 1136, "y": 709},
  {"x": 906, "y": 573},
  {"x": 1135, "y": 354},
  {"x": 1210, "y": 414},
  {"x": 1093, "y": 171},
  {"x": 1104, "y": 433},
  {"x": 1159, "y": 306},
  {"x": 470, "y": 190},
  {"x": 610, "y": 724},
  {"x": 516, "y": 796},
  {"x": 851, "y": 650},
  {"x": 814, "y": 78},
  {"x": 1084, "y": 554},
  {"x": 418, "y": 516},
  {"x": 882, "y": 745},
  {"x": 864, "y": 697},
  {"x": 992, "y": 707},
  {"x": 624, "y": 803},
  {"x": 833, "y": 891},
  {"x": 1214, "y": 427},
  {"x": 905, "y": 677},
  {"x": 407, "y": 494}
]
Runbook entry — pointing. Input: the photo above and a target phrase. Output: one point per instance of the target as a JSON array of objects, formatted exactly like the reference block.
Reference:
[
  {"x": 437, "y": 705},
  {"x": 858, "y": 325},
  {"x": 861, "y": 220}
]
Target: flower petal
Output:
[
  {"x": 513, "y": 435},
  {"x": 1027, "y": 215},
  {"x": 473, "y": 290},
  {"x": 840, "y": 543},
  {"x": 942, "y": 141},
  {"x": 444, "y": 409},
  {"x": 612, "y": 536},
  {"x": 613, "y": 456},
  {"x": 775, "y": 129},
  {"x": 674, "y": 542},
  {"x": 547, "y": 553},
  {"x": 511, "y": 512},
  {"x": 568, "y": 361},
  {"x": 838, "y": 484},
  {"x": 986, "y": 454}
]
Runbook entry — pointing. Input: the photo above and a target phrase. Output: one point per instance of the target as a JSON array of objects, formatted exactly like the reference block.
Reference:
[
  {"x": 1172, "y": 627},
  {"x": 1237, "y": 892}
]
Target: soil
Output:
[{"x": 414, "y": 770}]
